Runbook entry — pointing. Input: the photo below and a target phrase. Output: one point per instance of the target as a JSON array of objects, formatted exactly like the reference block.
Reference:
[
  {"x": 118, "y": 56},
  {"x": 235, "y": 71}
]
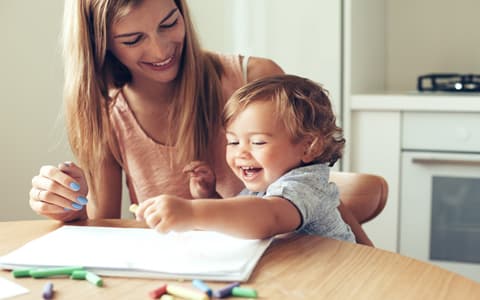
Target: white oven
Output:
[{"x": 440, "y": 190}]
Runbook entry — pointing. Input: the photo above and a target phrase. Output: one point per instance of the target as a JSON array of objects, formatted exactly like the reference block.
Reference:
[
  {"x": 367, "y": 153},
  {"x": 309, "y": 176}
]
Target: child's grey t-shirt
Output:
[{"x": 316, "y": 199}]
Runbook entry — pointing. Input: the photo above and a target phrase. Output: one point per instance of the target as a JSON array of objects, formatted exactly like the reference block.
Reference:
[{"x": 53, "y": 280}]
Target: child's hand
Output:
[
  {"x": 202, "y": 180},
  {"x": 167, "y": 213}
]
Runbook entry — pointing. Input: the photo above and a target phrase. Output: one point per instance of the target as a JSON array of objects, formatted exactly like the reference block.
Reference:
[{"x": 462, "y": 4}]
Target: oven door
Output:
[{"x": 440, "y": 210}]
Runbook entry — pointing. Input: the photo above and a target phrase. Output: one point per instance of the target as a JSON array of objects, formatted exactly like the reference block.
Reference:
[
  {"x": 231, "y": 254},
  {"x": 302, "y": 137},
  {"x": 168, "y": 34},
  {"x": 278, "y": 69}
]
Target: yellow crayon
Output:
[
  {"x": 186, "y": 293},
  {"x": 133, "y": 208}
]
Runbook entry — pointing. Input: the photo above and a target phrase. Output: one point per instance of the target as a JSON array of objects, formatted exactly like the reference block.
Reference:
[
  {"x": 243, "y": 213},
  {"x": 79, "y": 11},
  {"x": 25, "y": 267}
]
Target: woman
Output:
[{"x": 141, "y": 96}]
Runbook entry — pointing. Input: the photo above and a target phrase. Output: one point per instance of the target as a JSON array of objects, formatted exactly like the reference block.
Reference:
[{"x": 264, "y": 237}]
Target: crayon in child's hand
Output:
[{"x": 133, "y": 208}]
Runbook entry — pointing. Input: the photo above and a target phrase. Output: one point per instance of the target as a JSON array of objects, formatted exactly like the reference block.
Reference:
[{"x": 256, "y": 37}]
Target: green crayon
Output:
[
  {"x": 47, "y": 272},
  {"x": 21, "y": 273},
  {"x": 244, "y": 292},
  {"x": 89, "y": 276},
  {"x": 94, "y": 278}
]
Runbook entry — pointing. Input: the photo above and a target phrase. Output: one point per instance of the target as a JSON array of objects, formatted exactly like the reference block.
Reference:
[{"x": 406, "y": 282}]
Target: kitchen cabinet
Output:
[
  {"x": 387, "y": 44},
  {"x": 381, "y": 130}
]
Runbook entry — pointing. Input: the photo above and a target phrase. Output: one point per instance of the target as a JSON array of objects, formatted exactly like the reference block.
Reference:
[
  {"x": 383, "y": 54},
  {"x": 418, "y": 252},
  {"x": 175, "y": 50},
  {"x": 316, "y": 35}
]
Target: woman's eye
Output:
[
  {"x": 133, "y": 42},
  {"x": 169, "y": 25}
]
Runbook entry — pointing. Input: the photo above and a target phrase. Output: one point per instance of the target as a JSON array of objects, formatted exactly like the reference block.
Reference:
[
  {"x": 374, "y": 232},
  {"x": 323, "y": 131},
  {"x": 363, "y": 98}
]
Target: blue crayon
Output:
[
  {"x": 225, "y": 291},
  {"x": 199, "y": 284},
  {"x": 48, "y": 291}
]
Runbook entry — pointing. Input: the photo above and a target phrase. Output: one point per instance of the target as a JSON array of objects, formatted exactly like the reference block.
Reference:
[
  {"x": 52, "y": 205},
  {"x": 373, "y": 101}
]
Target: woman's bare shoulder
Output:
[{"x": 259, "y": 67}]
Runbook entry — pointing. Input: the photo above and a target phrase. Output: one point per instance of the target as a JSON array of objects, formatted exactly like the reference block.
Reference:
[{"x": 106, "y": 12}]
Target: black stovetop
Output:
[{"x": 449, "y": 82}]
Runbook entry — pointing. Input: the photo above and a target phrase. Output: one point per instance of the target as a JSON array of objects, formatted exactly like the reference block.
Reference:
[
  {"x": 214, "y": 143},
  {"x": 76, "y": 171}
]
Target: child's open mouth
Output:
[{"x": 249, "y": 172}]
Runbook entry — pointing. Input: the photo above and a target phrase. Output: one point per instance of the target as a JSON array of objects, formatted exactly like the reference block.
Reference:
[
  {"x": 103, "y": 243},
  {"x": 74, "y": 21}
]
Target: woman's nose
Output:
[{"x": 158, "y": 48}]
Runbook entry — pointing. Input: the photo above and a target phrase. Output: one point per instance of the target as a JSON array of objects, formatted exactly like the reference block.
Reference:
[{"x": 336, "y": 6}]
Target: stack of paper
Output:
[{"x": 138, "y": 252}]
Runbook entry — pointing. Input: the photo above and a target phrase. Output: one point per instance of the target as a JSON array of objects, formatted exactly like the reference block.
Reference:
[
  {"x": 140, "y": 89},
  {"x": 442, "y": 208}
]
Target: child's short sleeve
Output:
[{"x": 315, "y": 198}]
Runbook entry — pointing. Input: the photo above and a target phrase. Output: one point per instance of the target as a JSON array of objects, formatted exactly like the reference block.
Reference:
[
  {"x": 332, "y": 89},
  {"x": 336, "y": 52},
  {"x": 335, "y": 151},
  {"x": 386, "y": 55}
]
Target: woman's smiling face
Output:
[{"x": 149, "y": 40}]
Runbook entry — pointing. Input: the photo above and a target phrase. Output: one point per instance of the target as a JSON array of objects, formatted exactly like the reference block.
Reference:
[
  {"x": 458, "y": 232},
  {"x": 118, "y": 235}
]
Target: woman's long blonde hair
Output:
[{"x": 92, "y": 73}]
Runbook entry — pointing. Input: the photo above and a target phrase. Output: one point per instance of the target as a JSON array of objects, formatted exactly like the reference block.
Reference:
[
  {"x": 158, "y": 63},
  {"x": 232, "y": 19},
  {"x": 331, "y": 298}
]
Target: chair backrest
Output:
[{"x": 363, "y": 194}]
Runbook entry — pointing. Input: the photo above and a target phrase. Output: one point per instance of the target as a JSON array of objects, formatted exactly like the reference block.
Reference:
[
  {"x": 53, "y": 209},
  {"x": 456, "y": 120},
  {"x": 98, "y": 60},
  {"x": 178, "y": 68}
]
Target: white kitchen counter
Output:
[{"x": 415, "y": 101}]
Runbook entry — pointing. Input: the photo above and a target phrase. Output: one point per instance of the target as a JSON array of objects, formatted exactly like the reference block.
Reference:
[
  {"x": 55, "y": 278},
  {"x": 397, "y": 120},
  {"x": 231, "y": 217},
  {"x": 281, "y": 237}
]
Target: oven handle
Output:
[{"x": 442, "y": 158}]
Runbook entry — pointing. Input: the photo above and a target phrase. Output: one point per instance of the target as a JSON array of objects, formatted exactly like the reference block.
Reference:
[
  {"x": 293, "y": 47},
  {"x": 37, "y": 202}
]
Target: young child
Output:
[{"x": 281, "y": 141}]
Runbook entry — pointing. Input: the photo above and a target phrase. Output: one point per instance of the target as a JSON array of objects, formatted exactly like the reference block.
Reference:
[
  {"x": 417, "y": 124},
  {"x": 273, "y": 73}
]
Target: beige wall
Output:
[
  {"x": 430, "y": 36},
  {"x": 30, "y": 83}
]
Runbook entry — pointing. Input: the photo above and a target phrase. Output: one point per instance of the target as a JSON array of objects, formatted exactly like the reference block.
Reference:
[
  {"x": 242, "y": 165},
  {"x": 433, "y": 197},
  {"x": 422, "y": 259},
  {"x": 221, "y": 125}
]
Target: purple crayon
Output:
[
  {"x": 225, "y": 291},
  {"x": 48, "y": 291}
]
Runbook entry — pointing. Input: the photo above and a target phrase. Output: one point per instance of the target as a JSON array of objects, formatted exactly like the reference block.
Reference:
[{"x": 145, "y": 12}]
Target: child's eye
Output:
[
  {"x": 258, "y": 143},
  {"x": 133, "y": 42},
  {"x": 232, "y": 143}
]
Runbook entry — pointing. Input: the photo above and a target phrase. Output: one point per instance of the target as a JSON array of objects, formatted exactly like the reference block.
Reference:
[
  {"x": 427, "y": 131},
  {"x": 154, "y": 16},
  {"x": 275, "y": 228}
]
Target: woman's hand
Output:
[
  {"x": 59, "y": 192},
  {"x": 166, "y": 213},
  {"x": 202, "y": 180}
]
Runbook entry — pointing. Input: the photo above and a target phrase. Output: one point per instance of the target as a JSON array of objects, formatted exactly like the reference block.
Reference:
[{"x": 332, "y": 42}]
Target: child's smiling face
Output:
[{"x": 259, "y": 147}]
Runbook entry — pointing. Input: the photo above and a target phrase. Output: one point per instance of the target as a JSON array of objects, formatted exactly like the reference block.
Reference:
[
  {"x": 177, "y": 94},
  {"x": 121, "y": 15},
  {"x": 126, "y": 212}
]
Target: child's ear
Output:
[{"x": 312, "y": 149}]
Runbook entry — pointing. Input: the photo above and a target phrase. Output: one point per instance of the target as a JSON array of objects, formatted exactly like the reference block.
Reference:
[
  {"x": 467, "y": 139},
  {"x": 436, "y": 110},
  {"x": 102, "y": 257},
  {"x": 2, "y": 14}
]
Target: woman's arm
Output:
[
  {"x": 360, "y": 235},
  {"x": 108, "y": 199}
]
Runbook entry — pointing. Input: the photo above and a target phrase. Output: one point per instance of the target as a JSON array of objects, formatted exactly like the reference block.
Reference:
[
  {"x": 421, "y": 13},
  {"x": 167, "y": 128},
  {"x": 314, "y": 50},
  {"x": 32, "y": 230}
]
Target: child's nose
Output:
[{"x": 242, "y": 150}]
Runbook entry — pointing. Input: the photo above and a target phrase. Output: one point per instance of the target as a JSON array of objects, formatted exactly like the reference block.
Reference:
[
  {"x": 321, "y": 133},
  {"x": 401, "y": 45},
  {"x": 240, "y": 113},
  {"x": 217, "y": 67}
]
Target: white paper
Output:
[
  {"x": 10, "y": 289},
  {"x": 142, "y": 252}
]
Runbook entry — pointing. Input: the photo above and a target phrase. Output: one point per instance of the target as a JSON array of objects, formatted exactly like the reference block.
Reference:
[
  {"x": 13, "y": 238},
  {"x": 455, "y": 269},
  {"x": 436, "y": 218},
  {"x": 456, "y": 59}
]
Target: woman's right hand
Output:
[{"x": 60, "y": 192}]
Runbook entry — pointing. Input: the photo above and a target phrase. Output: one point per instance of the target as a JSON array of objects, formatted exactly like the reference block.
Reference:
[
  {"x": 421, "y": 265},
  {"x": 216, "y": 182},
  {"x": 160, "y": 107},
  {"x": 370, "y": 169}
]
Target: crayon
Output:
[
  {"x": 21, "y": 273},
  {"x": 47, "y": 291},
  {"x": 156, "y": 293},
  {"x": 244, "y": 292},
  {"x": 199, "y": 284},
  {"x": 89, "y": 276},
  {"x": 186, "y": 293},
  {"x": 94, "y": 278},
  {"x": 225, "y": 291},
  {"x": 167, "y": 297},
  {"x": 79, "y": 275},
  {"x": 47, "y": 272},
  {"x": 133, "y": 208}
]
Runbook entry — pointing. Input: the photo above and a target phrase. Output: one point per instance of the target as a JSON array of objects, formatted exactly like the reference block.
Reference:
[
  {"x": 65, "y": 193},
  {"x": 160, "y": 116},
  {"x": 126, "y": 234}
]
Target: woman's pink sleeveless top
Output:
[{"x": 146, "y": 163}]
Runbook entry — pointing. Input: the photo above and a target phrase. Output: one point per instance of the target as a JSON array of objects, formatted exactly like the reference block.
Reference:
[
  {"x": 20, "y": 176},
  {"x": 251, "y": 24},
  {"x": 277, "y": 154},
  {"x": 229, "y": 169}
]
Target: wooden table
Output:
[{"x": 296, "y": 267}]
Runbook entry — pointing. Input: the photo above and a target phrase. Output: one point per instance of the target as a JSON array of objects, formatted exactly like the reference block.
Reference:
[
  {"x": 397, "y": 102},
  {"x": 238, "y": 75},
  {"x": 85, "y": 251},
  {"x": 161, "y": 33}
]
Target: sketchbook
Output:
[{"x": 140, "y": 252}]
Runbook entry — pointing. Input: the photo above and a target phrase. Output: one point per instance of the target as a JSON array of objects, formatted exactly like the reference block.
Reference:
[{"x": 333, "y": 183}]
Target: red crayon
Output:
[{"x": 155, "y": 294}]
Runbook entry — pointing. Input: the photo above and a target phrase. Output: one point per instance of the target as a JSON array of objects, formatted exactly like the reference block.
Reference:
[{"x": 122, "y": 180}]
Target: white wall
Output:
[
  {"x": 430, "y": 36},
  {"x": 304, "y": 38},
  {"x": 31, "y": 82}
]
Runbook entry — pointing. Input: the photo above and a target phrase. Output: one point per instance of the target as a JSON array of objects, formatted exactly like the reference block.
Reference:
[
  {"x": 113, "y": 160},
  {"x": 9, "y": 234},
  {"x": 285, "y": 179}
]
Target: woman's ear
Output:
[{"x": 313, "y": 147}]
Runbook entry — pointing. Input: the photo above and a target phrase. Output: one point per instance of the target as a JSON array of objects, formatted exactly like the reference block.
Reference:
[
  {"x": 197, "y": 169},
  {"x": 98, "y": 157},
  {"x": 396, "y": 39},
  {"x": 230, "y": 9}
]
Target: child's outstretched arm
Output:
[
  {"x": 202, "y": 180},
  {"x": 246, "y": 217}
]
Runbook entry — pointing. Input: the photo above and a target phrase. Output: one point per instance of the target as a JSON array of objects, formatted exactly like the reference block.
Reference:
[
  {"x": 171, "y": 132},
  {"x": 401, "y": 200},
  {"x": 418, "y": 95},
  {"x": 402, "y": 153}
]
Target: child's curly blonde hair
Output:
[{"x": 302, "y": 105}]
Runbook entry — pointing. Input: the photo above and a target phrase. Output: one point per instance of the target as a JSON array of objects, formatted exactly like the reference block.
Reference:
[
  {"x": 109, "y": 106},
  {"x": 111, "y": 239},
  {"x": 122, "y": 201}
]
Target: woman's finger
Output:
[
  {"x": 56, "y": 175},
  {"x": 55, "y": 193}
]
